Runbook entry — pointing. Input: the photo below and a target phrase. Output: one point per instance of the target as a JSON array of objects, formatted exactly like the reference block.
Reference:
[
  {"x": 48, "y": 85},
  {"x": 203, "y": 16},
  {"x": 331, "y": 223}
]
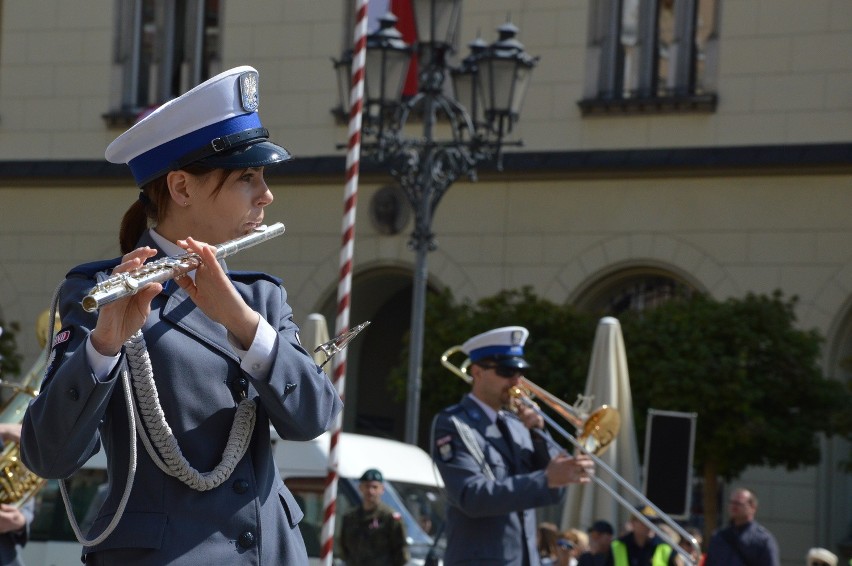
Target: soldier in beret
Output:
[
  {"x": 373, "y": 533},
  {"x": 198, "y": 368}
]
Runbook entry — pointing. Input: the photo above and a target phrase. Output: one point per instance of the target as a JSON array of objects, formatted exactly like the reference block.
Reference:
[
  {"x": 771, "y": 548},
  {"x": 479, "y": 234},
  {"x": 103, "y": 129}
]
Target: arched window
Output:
[{"x": 633, "y": 289}]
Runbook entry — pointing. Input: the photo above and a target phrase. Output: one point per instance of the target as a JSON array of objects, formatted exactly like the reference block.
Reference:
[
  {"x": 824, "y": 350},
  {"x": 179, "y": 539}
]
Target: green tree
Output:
[
  {"x": 10, "y": 359},
  {"x": 558, "y": 348},
  {"x": 752, "y": 377}
]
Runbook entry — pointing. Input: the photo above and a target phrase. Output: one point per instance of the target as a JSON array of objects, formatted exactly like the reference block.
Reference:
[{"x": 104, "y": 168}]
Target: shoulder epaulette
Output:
[
  {"x": 252, "y": 276},
  {"x": 457, "y": 408},
  {"x": 91, "y": 269}
]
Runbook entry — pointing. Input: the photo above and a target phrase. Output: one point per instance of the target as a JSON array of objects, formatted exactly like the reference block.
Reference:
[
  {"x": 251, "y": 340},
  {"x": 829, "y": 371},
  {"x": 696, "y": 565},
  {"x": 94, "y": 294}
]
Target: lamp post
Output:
[{"x": 458, "y": 131}]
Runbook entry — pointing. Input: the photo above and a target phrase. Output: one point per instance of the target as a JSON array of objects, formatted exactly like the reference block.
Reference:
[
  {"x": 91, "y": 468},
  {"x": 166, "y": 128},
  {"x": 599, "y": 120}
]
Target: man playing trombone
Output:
[{"x": 495, "y": 463}]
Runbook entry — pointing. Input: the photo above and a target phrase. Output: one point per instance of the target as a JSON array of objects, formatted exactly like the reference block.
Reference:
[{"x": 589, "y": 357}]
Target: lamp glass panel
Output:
[
  {"x": 522, "y": 81},
  {"x": 437, "y": 20},
  {"x": 465, "y": 91},
  {"x": 502, "y": 81},
  {"x": 344, "y": 83},
  {"x": 396, "y": 71}
]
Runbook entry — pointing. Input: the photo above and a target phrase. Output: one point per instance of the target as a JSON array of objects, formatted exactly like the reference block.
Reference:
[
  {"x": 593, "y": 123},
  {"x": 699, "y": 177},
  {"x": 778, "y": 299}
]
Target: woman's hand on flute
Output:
[
  {"x": 119, "y": 320},
  {"x": 216, "y": 296}
]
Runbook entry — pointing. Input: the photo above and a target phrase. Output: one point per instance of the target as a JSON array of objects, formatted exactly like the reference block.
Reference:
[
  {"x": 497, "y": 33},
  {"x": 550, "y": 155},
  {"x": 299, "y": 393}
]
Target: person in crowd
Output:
[
  {"x": 821, "y": 557},
  {"x": 548, "y": 536},
  {"x": 572, "y": 543},
  {"x": 15, "y": 518},
  {"x": 498, "y": 465},
  {"x": 601, "y": 534},
  {"x": 641, "y": 546},
  {"x": 373, "y": 534},
  {"x": 697, "y": 554},
  {"x": 744, "y": 541},
  {"x": 211, "y": 358}
]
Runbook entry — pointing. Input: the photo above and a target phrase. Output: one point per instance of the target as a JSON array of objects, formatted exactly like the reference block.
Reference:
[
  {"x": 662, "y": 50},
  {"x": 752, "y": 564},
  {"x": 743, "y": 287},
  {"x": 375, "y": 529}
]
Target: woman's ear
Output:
[{"x": 178, "y": 183}]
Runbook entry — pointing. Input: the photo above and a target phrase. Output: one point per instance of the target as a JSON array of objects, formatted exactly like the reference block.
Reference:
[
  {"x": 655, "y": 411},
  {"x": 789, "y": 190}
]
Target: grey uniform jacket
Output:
[
  {"x": 490, "y": 521},
  {"x": 252, "y": 518}
]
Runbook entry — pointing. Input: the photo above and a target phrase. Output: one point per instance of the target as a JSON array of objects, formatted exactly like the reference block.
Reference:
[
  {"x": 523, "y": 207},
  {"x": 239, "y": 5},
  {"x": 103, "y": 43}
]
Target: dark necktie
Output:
[
  {"x": 507, "y": 438},
  {"x": 503, "y": 426}
]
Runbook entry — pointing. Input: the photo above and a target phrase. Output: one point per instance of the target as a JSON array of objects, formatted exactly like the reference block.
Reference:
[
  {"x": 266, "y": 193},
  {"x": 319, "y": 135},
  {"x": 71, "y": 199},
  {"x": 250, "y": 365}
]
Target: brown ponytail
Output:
[
  {"x": 153, "y": 204},
  {"x": 148, "y": 210}
]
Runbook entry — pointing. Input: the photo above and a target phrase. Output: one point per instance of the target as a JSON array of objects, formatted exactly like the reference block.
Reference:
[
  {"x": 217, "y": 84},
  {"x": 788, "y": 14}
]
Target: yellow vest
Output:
[{"x": 660, "y": 558}]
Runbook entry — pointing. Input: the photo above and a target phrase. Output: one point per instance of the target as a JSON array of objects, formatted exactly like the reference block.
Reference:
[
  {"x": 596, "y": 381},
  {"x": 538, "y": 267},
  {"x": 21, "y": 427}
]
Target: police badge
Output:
[{"x": 249, "y": 91}]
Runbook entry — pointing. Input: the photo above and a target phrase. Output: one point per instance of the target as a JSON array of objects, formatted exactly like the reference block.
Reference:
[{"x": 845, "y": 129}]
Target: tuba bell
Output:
[{"x": 17, "y": 483}]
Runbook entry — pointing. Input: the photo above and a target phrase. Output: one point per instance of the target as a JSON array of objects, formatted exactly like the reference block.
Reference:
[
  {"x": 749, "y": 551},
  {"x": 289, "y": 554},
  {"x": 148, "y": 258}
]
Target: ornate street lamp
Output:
[{"x": 457, "y": 132}]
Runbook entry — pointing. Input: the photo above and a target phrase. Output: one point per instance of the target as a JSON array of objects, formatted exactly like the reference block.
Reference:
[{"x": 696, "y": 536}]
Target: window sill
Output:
[{"x": 686, "y": 104}]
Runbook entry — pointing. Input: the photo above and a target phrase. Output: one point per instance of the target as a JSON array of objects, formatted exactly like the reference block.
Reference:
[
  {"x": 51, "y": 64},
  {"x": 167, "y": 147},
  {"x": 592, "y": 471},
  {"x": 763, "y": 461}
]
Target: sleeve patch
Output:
[
  {"x": 60, "y": 343},
  {"x": 63, "y": 336},
  {"x": 444, "y": 447}
]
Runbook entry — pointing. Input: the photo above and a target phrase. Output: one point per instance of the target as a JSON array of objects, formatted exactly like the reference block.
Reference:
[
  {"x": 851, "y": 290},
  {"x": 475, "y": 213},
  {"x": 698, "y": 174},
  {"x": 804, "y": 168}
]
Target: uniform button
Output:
[
  {"x": 72, "y": 394},
  {"x": 243, "y": 382},
  {"x": 255, "y": 367},
  {"x": 241, "y": 486},
  {"x": 246, "y": 539}
]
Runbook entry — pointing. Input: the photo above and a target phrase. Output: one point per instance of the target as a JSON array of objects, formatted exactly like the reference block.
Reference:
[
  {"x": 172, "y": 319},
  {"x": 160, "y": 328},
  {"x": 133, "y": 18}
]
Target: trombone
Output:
[{"x": 597, "y": 431}]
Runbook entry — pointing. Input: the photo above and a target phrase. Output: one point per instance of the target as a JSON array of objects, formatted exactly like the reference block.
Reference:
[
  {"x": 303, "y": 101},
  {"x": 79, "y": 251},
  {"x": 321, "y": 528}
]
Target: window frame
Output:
[
  {"x": 604, "y": 91},
  {"x": 179, "y": 58}
]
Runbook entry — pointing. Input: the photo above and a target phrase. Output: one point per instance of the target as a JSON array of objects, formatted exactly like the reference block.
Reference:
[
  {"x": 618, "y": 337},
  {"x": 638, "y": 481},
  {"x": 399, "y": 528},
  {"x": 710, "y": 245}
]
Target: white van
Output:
[{"x": 413, "y": 487}]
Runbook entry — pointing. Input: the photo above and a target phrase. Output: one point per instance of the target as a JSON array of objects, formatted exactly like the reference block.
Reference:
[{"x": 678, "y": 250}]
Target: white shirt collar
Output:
[{"x": 489, "y": 412}]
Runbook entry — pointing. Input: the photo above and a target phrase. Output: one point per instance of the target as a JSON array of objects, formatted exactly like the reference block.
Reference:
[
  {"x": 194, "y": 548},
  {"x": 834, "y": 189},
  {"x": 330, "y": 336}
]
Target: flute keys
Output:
[{"x": 130, "y": 283}]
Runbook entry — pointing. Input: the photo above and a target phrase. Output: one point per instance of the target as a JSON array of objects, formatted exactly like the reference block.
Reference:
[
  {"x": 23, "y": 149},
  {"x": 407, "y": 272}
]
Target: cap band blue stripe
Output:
[
  {"x": 159, "y": 160},
  {"x": 489, "y": 351}
]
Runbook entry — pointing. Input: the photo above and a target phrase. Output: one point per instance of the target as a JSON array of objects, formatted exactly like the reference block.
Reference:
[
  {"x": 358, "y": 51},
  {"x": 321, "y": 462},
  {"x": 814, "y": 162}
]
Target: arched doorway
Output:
[{"x": 381, "y": 295}]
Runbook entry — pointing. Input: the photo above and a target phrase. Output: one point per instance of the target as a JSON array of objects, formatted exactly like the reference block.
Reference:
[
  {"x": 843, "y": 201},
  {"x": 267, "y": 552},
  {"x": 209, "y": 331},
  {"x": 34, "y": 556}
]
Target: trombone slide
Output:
[{"x": 688, "y": 560}]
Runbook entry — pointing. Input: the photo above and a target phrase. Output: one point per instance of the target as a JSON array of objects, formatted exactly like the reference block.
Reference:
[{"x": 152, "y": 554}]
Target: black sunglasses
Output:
[{"x": 504, "y": 371}]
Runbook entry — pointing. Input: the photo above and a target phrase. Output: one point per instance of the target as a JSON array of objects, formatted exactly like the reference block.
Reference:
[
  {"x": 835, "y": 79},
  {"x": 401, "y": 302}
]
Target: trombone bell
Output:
[{"x": 598, "y": 430}]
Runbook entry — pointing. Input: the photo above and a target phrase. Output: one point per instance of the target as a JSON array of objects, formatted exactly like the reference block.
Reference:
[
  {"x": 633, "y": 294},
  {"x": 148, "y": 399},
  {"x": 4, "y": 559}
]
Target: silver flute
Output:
[{"x": 125, "y": 284}]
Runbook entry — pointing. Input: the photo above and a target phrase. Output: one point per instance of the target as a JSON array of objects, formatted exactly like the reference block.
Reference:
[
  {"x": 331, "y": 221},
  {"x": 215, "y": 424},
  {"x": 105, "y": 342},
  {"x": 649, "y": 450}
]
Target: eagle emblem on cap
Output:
[
  {"x": 249, "y": 93},
  {"x": 517, "y": 335}
]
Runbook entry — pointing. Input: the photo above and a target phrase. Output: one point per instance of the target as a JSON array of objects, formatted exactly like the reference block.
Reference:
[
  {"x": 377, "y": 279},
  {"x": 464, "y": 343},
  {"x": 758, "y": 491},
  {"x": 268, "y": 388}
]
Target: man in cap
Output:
[
  {"x": 744, "y": 542},
  {"x": 641, "y": 546},
  {"x": 600, "y": 539},
  {"x": 498, "y": 466},
  {"x": 373, "y": 534}
]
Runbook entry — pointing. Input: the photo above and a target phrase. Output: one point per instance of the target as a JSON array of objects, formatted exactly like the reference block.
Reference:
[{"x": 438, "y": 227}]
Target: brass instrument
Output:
[
  {"x": 597, "y": 431},
  {"x": 17, "y": 483},
  {"x": 123, "y": 285}
]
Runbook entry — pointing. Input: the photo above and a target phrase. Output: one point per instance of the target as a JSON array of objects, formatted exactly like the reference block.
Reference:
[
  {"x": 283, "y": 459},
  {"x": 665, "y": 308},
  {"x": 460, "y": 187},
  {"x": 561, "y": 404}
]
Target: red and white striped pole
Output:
[{"x": 344, "y": 288}]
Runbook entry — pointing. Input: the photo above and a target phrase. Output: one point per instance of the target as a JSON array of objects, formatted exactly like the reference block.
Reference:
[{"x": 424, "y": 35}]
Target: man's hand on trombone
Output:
[
  {"x": 527, "y": 415},
  {"x": 564, "y": 469}
]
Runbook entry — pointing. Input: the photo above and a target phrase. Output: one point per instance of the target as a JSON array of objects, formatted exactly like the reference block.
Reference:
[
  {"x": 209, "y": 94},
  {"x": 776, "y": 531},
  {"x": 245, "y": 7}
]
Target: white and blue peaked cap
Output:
[
  {"x": 504, "y": 345},
  {"x": 215, "y": 124}
]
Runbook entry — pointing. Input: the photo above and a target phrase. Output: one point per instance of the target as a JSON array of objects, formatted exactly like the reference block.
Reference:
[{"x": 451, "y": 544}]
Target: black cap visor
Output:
[
  {"x": 514, "y": 362},
  {"x": 258, "y": 154}
]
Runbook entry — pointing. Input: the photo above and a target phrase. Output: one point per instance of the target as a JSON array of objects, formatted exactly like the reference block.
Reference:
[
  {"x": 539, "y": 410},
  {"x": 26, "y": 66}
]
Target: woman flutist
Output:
[{"x": 218, "y": 358}]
